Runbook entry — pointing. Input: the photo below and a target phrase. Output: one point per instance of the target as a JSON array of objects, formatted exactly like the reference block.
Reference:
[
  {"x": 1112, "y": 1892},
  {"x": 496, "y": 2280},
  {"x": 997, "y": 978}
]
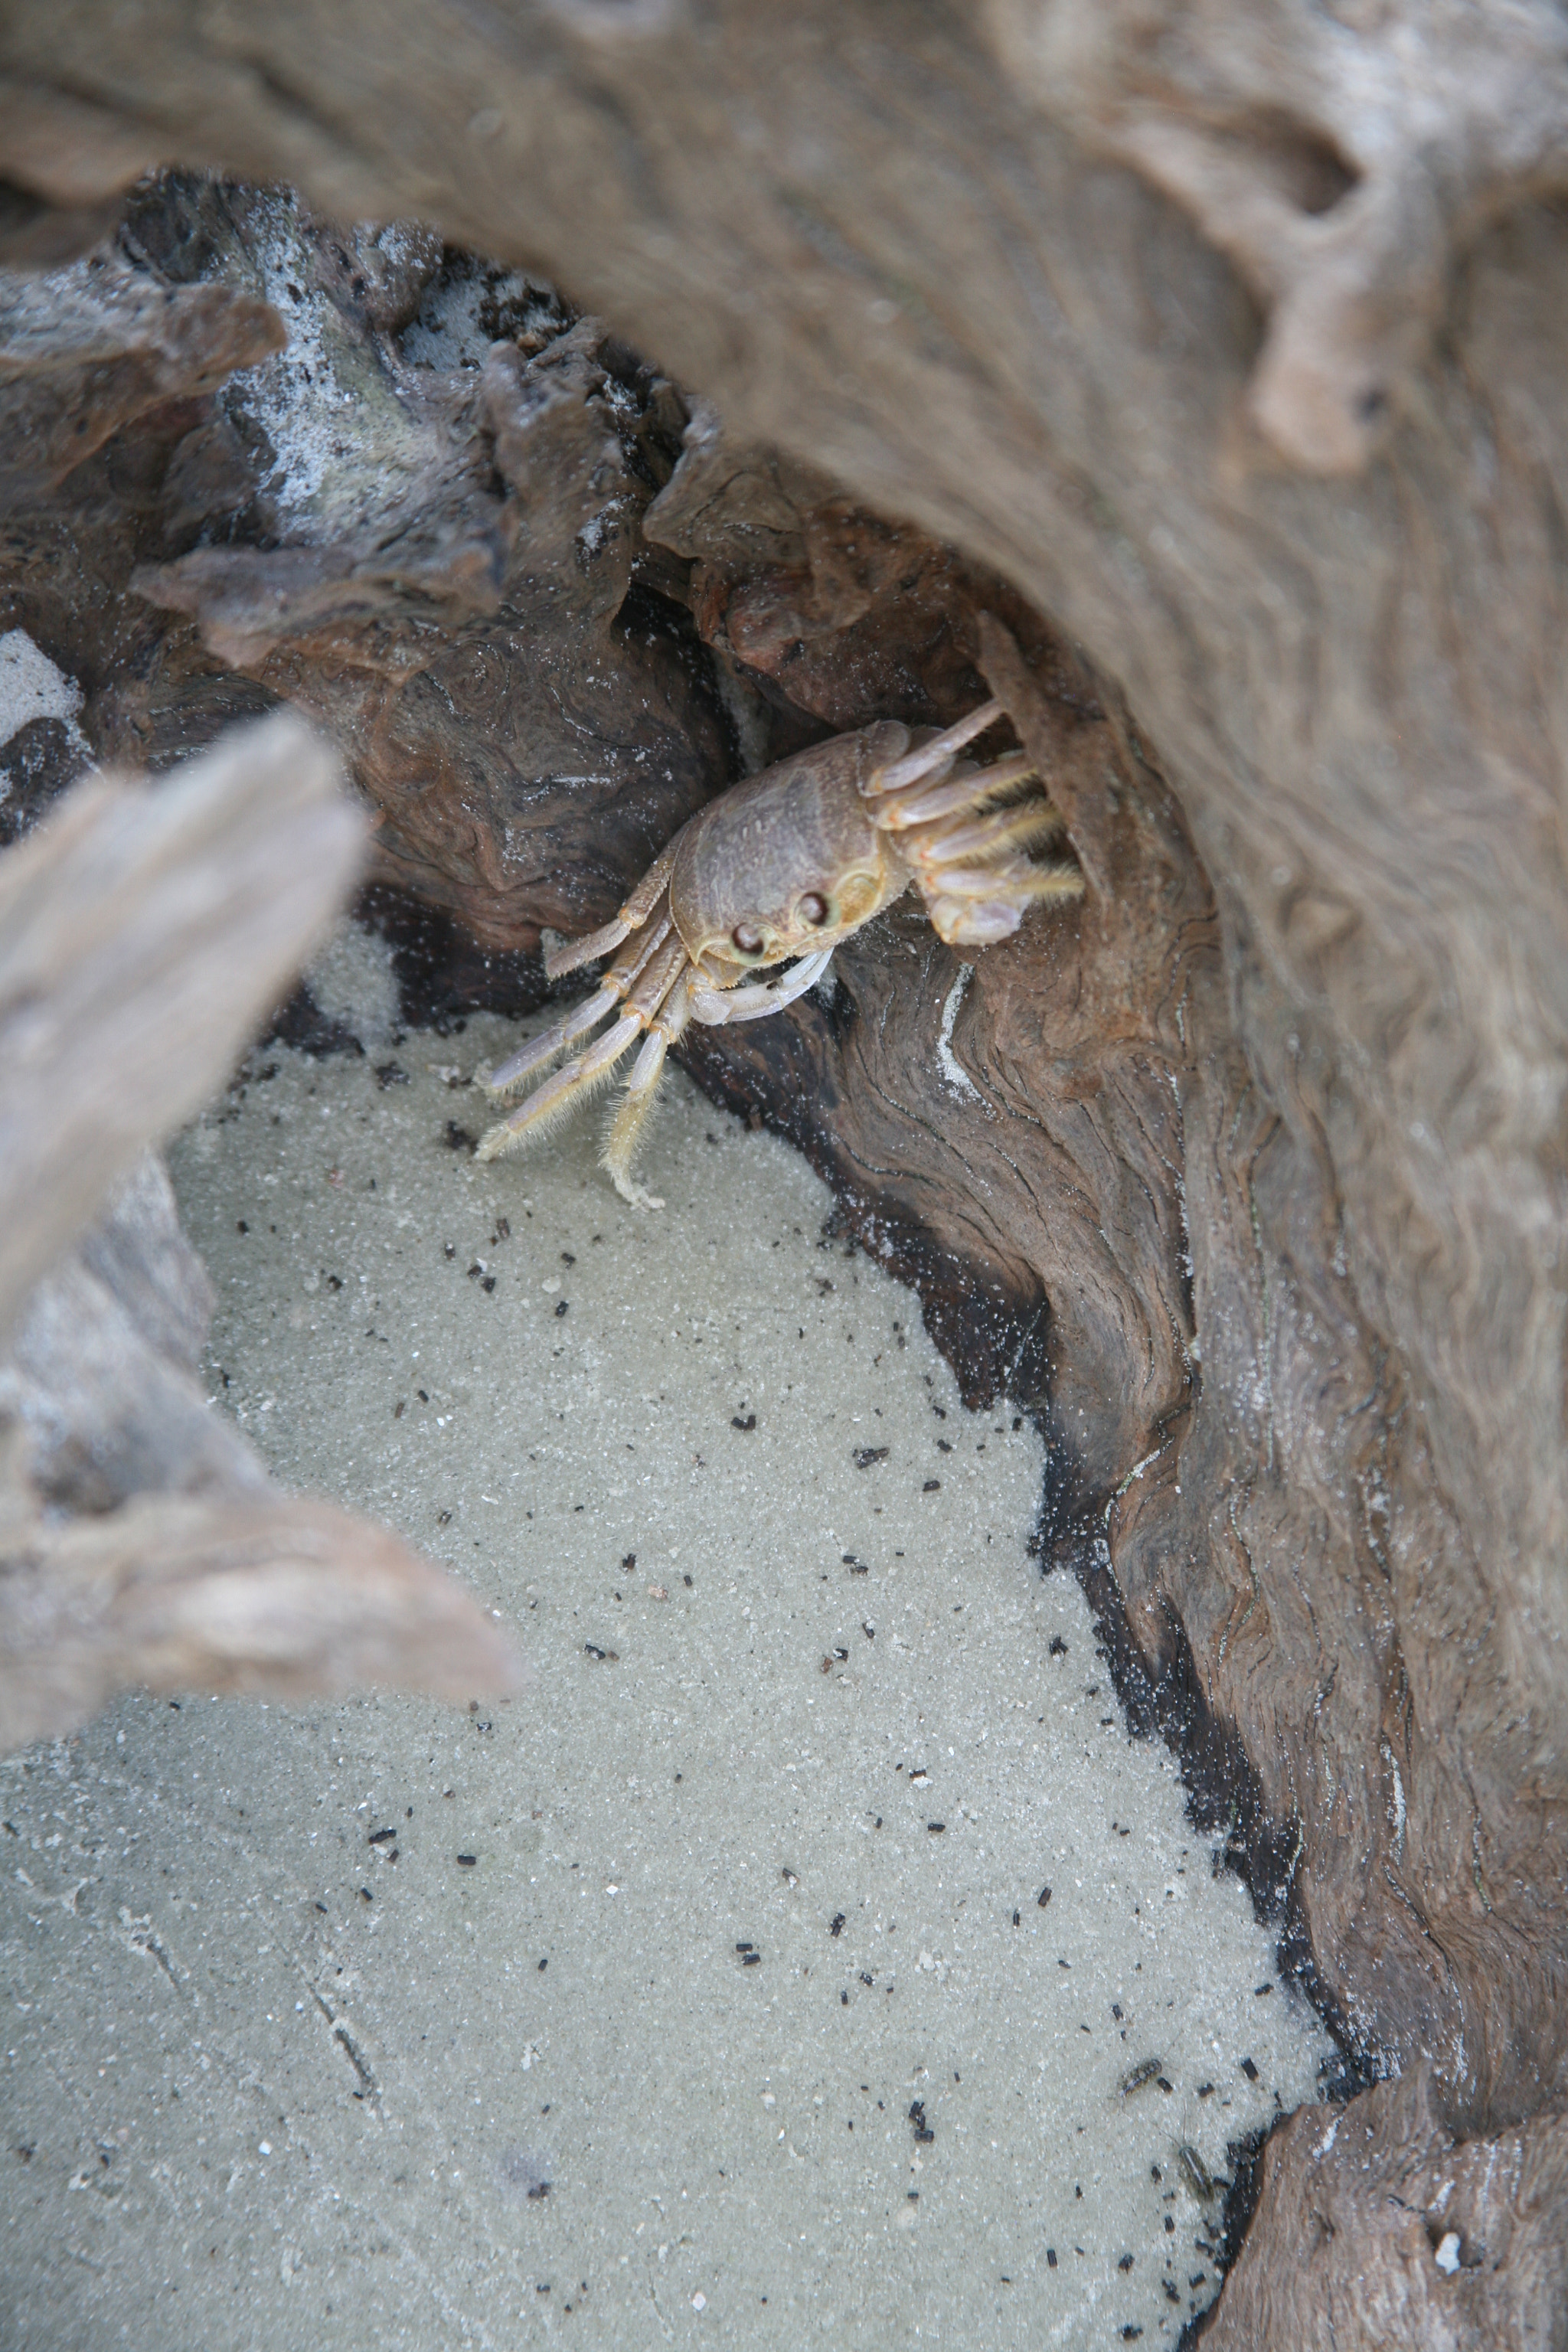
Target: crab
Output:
[{"x": 777, "y": 872}]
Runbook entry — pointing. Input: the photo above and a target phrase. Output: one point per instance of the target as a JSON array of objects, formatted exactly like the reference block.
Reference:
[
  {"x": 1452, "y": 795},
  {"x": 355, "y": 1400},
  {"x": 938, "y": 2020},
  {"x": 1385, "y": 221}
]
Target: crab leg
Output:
[
  {"x": 560, "y": 960},
  {"x": 715, "y": 1006},
  {"x": 900, "y": 810},
  {"x": 562, "y": 1093},
  {"x": 549, "y": 1042},
  {"x": 632, "y": 917},
  {"x": 638, "y": 953},
  {"x": 967, "y": 856},
  {"x": 1017, "y": 880},
  {"x": 651, "y": 969},
  {"x": 923, "y": 762},
  {"x": 626, "y": 1127},
  {"x": 986, "y": 837},
  {"x": 975, "y": 907}
]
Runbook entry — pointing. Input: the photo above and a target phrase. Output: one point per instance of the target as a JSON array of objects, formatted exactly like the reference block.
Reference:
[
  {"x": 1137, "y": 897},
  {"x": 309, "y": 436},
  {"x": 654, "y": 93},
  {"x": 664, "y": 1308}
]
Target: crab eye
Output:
[
  {"x": 748, "y": 938},
  {"x": 813, "y": 909}
]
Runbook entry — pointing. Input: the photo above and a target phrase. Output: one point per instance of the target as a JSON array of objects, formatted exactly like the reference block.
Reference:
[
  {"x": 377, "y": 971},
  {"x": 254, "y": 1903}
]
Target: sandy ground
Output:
[{"x": 708, "y": 1991}]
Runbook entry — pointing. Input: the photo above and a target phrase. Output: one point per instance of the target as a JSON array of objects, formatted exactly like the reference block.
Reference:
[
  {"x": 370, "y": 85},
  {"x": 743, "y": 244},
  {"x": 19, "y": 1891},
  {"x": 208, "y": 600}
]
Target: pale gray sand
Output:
[{"x": 307, "y": 2008}]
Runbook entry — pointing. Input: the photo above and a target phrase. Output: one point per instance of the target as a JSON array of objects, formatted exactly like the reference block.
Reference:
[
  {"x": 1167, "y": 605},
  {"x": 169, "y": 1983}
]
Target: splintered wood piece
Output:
[
  {"x": 265, "y": 1595},
  {"x": 145, "y": 929},
  {"x": 85, "y": 352}
]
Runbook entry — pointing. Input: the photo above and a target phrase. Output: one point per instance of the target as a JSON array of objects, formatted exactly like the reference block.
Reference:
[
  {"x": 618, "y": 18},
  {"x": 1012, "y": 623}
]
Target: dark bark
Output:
[{"x": 1324, "y": 1492}]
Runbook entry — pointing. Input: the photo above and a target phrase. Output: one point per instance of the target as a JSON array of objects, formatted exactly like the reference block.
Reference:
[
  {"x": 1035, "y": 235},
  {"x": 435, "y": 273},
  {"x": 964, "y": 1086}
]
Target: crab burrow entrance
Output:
[{"x": 808, "y": 1948}]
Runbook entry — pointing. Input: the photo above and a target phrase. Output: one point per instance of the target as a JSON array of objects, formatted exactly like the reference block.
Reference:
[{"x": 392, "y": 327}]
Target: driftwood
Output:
[
  {"x": 83, "y": 352},
  {"x": 1259, "y": 1188},
  {"x": 512, "y": 690},
  {"x": 1388, "y": 2231},
  {"x": 99, "y": 1370},
  {"x": 1342, "y": 160},
  {"x": 143, "y": 931},
  {"x": 271, "y": 1595}
]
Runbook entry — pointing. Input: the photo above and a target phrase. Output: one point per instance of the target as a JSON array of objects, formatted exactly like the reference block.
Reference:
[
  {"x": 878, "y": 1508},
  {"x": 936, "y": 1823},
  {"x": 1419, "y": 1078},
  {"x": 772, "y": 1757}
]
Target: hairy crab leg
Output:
[
  {"x": 639, "y": 951},
  {"x": 632, "y": 917},
  {"x": 659, "y": 967},
  {"x": 967, "y": 858},
  {"x": 652, "y": 970},
  {"x": 715, "y": 1006},
  {"x": 549, "y": 1042},
  {"x": 971, "y": 923},
  {"x": 938, "y": 752},
  {"x": 1018, "y": 879},
  {"x": 655, "y": 981},
  {"x": 562, "y": 959},
  {"x": 626, "y": 1127},
  {"x": 898, "y": 811},
  {"x": 986, "y": 837},
  {"x": 560, "y": 1093}
]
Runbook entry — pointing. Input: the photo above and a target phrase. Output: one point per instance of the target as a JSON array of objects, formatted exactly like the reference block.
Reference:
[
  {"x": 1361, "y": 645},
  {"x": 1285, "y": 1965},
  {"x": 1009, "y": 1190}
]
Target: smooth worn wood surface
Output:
[{"x": 145, "y": 932}]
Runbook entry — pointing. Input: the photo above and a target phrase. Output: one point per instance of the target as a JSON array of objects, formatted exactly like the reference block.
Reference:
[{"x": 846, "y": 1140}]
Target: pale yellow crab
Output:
[{"x": 785, "y": 866}]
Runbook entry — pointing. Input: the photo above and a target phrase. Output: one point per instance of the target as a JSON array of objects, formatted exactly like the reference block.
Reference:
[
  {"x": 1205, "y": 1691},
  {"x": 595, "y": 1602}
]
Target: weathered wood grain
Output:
[
  {"x": 273, "y": 1595},
  {"x": 144, "y": 930}
]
